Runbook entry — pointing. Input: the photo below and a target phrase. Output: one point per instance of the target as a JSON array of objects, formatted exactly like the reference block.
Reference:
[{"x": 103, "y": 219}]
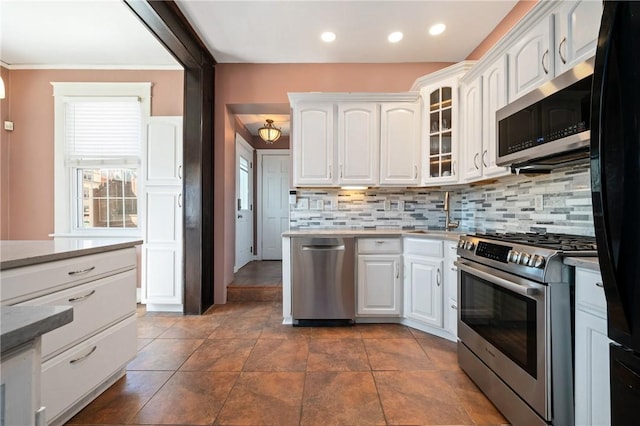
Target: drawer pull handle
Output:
[
  {"x": 380, "y": 241},
  {"x": 600, "y": 285},
  {"x": 438, "y": 277},
  {"x": 82, "y": 271},
  {"x": 75, "y": 299},
  {"x": 83, "y": 357}
]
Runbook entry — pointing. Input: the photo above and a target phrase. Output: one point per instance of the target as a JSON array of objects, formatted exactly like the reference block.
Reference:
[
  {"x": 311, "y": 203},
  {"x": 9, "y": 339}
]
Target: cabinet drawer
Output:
[
  {"x": 95, "y": 306},
  {"x": 423, "y": 247},
  {"x": 75, "y": 373},
  {"x": 379, "y": 245},
  {"x": 589, "y": 292},
  {"x": 32, "y": 281}
]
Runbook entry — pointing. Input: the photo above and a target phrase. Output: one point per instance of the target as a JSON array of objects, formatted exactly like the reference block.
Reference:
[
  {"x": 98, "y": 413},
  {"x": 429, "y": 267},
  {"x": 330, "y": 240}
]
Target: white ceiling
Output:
[
  {"x": 288, "y": 31},
  {"x": 106, "y": 34},
  {"x": 77, "y": 34}
]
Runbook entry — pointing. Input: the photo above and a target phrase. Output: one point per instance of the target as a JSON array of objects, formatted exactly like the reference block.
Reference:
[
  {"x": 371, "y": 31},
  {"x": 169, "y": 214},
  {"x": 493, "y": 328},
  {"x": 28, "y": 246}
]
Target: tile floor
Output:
[{"x": 238, "y": 365}]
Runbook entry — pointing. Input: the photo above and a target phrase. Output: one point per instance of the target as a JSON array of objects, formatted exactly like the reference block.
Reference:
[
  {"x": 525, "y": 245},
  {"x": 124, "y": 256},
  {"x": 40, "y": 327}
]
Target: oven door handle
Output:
[{"x": 522, "y": 289}]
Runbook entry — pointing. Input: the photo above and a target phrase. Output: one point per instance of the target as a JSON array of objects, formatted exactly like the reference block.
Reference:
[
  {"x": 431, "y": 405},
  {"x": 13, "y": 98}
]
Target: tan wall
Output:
[
  {"x": 238, "y": 84},
  {"x": 5, "y": 137},
  {"x": 27, "y": 211},
  {"x": 512, "y": 18}
]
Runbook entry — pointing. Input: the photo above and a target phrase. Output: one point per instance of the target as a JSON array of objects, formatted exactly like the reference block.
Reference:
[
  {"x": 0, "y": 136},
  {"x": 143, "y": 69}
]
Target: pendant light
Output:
[{"x": 269, "y": 133}]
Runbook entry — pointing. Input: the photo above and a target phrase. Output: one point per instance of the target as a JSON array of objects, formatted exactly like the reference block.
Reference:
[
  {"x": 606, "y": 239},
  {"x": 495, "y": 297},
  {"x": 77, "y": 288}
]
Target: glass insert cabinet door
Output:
[{"x": 440, "y": 125}]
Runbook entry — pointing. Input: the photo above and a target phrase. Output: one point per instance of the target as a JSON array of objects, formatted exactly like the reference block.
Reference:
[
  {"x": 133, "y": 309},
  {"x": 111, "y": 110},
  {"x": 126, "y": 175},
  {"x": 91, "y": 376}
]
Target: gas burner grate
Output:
[{"x": 564, "y": 242}]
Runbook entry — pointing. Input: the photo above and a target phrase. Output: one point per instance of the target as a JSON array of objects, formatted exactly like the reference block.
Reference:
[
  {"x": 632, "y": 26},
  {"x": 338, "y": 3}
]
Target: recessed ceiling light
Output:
[
  {"x": 328, "y": 36},
  {"x": 395, "y": 37},
  {"x": 437, "y": 29}
]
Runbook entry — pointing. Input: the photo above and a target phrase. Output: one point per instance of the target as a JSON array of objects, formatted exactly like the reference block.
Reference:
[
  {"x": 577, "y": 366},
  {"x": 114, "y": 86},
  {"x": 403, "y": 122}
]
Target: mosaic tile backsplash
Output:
[{"x": 557, "y": 202}]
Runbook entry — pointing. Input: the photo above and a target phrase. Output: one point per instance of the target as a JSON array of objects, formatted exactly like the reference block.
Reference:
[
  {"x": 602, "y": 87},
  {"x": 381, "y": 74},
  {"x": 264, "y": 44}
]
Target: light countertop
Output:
[
  {"x": 583, "y": 262},
  {"x": 375, "y": 233},
  {"x": 15, "y": 254},
  {"x": 21, "y": 324}
]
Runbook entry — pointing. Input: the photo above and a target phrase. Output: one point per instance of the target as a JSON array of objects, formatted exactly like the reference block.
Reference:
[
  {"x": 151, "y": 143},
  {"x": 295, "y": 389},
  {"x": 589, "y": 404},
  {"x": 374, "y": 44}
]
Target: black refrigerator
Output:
[{"x": 615, "y": 185}]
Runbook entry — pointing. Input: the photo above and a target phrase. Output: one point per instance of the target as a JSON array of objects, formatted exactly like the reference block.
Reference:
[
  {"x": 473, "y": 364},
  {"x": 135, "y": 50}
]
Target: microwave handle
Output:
[{"x": 524, "y": 290}]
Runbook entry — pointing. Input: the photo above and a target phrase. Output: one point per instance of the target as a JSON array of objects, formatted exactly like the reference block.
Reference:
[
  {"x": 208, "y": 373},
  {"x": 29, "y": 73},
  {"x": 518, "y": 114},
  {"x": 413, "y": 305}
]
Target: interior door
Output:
[
  {"x": 275, "y": 204},
  {"x": 244, "y": 202}
]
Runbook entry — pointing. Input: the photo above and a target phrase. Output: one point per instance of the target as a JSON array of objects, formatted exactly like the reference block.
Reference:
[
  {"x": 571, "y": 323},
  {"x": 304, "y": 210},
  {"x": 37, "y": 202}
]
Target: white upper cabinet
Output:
[
  {"x": 441, "y": 124},
  {"x": 472, "y": 129},
  {"x": 494, "y": 97},
  {"x": 313, "y": 147},
  {"x": 576, "y": 32},
  {"x": 400, "y": 143},
  {"x": 163, "y": 151},
  {"x": 365, "y": 139},
  {"x": 358, "y": 143},
  {"x": 531, "y": 59}
]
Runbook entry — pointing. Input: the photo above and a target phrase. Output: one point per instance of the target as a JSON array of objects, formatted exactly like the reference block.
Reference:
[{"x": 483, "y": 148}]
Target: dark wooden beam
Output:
[{"x": 167, "y": 23}]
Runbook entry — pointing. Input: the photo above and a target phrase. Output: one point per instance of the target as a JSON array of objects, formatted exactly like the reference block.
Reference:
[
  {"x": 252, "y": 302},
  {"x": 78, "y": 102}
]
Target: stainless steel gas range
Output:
[{"x": 515, "y": 322}]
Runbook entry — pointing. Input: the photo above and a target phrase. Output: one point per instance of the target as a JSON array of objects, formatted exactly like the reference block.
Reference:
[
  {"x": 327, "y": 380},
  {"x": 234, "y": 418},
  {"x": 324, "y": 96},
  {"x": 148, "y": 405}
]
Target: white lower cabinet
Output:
[
  {"x": 451, "y": 287},
  {"x": 592, "y": 399},
  {"x": 379, "y": 287},
  {"x": 423, "y": 290}
]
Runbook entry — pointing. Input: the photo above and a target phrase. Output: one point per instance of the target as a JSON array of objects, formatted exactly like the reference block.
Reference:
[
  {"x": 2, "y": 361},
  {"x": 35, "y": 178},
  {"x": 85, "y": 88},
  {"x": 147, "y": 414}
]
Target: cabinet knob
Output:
[{"x": 454, "y": 307}]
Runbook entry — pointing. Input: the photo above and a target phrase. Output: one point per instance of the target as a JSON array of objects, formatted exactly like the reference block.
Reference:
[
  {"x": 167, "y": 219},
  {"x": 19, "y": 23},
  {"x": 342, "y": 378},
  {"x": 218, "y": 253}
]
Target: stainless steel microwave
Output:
[{"x": 550, "y": 126}]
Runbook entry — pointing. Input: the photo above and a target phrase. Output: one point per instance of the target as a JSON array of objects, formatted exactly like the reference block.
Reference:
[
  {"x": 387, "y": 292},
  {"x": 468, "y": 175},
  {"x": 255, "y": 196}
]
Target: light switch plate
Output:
[
  {"x": 400, "y": 205},
  {"x": 303, "y": 203},
  {"x": 8, "y": 125}
]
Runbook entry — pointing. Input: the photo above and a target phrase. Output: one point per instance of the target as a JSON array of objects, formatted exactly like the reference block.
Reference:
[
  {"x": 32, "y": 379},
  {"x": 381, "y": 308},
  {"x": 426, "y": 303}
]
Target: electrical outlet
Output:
[
  {"x": 387, "y": 205},
  {"x": 400, "y": 205},
  {"x": 539, "y": 202},
  {"x": 320, "y": 205},
  {"x": 334, "y": 204},
  {"x": 303, "y": 203}
]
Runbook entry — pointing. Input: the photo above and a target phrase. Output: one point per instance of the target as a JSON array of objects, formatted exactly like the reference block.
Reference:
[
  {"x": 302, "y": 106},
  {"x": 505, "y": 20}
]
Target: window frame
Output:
[{"x": 65, "y": 188}]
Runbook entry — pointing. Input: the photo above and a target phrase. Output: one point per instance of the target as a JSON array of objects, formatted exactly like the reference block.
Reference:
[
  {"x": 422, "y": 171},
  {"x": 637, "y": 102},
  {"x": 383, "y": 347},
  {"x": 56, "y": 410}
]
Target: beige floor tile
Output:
[
  {"x": 264, "y": 398},
  {"x": 189, "y": 398},
  {"x": 341, "y": 398},
  {"x": 220, "y": 355},
  {"x": 419, "y": 397}
]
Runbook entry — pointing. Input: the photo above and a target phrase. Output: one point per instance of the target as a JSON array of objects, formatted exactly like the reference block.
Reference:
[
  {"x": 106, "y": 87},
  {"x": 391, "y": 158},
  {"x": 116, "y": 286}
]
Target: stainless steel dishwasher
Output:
[{"x": 323, "y": 279}]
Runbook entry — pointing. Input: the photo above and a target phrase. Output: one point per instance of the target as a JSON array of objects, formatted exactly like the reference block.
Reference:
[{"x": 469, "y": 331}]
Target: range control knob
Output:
[
  {"x": 469, "y": 245},
  {"x": 524, "y": 258},
  {"x": 513, "y": 256},
  {"x": 460, "y": 243},
  {"x": 538, "y": 261}
]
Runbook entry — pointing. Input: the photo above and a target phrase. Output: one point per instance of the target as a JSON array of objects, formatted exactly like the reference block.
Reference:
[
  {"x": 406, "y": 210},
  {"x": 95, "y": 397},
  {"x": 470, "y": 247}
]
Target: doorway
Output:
[{"x": 244, "y": 203}]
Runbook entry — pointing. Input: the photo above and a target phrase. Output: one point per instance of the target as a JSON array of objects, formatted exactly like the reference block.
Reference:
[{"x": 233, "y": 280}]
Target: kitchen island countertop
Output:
[
  {"x": 375, "y": 233},
  {"x": 21, "y": 324},
  {"x": 15, "y": 254}
]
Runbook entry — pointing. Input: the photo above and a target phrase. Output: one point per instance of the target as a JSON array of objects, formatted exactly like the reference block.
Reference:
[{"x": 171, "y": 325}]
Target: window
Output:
[{"x": 99, "y": 134}]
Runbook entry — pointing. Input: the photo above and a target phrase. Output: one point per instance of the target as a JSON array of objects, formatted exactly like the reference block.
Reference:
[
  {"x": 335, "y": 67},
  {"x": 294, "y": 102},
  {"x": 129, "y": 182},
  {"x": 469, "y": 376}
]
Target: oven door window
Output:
[{"x": 505, "y": 319}]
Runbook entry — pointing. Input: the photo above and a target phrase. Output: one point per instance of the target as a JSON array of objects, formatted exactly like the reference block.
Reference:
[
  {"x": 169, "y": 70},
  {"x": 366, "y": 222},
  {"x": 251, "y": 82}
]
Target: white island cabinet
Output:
[{"x": 98, "y": 279}]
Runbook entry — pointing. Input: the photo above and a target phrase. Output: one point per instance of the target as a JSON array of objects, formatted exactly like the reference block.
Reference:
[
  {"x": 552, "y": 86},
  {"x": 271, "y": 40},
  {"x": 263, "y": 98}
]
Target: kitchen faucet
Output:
[{"x": 448, "y": 224}]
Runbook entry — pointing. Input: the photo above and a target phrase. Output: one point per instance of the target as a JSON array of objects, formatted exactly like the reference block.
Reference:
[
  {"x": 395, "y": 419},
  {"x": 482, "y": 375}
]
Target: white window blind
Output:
[{"x": 103, "y": 129}]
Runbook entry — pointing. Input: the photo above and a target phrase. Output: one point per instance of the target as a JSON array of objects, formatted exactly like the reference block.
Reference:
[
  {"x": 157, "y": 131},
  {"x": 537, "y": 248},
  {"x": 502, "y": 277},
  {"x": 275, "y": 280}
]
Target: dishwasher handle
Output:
[{"x": 323, "y": 248}]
